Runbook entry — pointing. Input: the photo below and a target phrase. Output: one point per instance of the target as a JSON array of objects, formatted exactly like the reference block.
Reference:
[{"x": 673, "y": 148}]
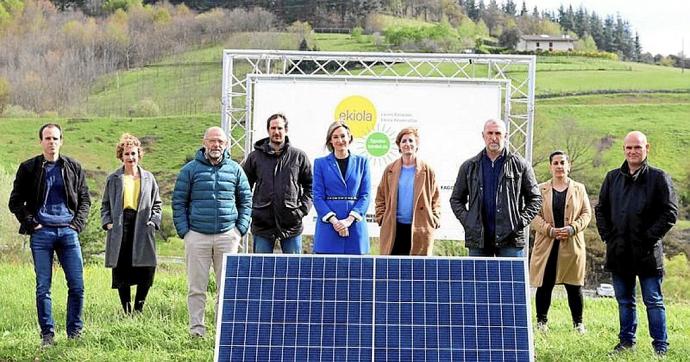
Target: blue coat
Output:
[
  {"x": 332, "y": 194},
  {"x": 211, "y": 199}
]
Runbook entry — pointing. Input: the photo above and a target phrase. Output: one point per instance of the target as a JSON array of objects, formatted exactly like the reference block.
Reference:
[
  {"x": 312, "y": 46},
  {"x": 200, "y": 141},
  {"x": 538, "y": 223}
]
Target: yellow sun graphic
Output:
[{"x": 358, "y": 113}]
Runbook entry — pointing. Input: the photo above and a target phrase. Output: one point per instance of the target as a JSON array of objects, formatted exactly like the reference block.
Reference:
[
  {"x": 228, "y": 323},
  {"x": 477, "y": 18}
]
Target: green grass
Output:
[
  {"x": 562, "y": 343},
  {"x": 683, "y": 224},
  {"x": 344, "y": 43},
  {"x": 92, "y": 141},
  {"x": 160, "y": 332},
  {"x": 666, "y": 125},
  {"x": 186, "y": 83},
  {"x": 387, "y": 21},
  {"x": 173, "y": 247},
  {"x": 611, "y": 99},
  {"x": 615, "y": 76}
]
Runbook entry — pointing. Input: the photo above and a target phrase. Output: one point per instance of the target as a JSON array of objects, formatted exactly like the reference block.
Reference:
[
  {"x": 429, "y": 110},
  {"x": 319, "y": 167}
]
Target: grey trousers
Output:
[{"x": 202, "y": 250}]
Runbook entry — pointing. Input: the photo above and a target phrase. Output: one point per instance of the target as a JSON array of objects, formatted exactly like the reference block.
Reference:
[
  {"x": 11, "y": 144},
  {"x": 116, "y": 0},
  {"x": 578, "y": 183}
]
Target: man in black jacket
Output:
[
  {"x": 637, "y": 207},
  {"x": 281, "y": 177},
  {"x": 51, "y": 201},
  {"x": 495, "y": 197}
]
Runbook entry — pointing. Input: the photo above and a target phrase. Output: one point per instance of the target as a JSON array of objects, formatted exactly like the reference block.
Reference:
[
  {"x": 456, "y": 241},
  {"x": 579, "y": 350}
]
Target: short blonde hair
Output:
[
  {"x": 335, "y": 125},
  {"x": 127, "y": 140},
  {"x": 405, "y": 131}
]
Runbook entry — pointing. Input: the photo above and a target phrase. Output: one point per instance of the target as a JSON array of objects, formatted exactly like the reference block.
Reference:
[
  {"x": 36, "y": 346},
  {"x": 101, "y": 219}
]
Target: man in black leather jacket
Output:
[
  {"x": 51, "y": 201},
  {"x": 637, "y": 207},
  {"x": 281, "y": 177},
  {"x": 495, "y": 197}
]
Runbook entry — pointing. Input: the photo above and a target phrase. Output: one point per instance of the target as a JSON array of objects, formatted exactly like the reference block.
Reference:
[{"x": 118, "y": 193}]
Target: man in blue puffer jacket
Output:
[{"x": 212, "y": 206}]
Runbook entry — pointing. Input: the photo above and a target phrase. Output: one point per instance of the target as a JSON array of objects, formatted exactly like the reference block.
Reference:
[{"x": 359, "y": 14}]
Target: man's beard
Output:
[{"x": 215, "y": 155}]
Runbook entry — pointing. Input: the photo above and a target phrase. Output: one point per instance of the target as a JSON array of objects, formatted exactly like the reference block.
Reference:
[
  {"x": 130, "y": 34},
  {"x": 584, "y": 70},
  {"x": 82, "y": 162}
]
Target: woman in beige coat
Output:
[
  {"x": 408, "y": 208},
  {"x": 559, "y": 254}
]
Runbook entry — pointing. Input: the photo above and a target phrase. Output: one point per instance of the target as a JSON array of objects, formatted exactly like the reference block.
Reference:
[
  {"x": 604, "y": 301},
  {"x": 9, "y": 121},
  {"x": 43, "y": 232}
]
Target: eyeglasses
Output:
[{"x": 213, "y": 141}]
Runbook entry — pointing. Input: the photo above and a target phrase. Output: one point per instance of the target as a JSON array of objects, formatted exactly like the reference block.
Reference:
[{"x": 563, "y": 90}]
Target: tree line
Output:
[
  {"x": 508, "y": 19},
  {"x": 50, "y": 59}
]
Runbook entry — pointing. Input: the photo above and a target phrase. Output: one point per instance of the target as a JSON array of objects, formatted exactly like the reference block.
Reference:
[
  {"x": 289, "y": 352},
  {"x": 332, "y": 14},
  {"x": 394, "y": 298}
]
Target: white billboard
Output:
[{"x": 448, "y": 113}]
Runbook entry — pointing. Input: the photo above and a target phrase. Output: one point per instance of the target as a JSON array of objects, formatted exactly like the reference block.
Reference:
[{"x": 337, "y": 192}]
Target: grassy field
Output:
[
  {"x": 160, "y": 332},
  {"x": 577, "y": 74},
  {"x": 169, "y": 141},
  {"x": 666, "y": 124}
]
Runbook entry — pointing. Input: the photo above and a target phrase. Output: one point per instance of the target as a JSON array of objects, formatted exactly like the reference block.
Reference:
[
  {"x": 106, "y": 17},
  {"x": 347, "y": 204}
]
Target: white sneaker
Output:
[
  {"x": 542, "y": 327},
  {"x": 580, "y": 328}
]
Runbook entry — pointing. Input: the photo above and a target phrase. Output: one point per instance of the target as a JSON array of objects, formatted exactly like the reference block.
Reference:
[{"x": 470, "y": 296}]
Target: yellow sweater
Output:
[{"x": 130, "y": 190}]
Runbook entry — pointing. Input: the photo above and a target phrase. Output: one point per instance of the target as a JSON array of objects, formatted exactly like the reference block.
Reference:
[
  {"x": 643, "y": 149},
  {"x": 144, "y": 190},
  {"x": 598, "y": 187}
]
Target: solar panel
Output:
[{"x": 366, "y": 308}]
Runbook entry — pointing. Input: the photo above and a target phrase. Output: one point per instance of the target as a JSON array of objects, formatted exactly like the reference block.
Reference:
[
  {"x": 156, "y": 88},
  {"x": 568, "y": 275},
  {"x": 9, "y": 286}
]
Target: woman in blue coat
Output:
[{"x": 341, "y": 189}]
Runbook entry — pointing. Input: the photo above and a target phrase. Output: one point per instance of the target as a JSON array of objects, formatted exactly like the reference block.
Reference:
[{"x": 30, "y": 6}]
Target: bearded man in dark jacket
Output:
[
  {"x": 281, "y": 177},
  {"x": 637, "y": 207}
]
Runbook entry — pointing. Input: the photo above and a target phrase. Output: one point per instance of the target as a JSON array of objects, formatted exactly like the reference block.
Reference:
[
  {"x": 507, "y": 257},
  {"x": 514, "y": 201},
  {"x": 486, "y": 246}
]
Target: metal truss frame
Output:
[{"x": 518, "y": 71}]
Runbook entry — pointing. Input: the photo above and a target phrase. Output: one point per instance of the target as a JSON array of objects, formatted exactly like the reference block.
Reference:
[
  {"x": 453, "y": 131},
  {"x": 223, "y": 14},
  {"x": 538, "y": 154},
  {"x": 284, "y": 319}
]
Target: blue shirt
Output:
[
  {"x": 54, "y": 211},
  {"x": 490, "y": 178},
  {"x": 403, "y": 212}
]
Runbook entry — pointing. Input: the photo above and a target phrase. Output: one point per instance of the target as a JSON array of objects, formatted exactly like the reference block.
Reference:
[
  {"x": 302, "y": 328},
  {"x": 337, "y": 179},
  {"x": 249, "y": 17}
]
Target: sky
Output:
[{"x": 662, "y": 24}]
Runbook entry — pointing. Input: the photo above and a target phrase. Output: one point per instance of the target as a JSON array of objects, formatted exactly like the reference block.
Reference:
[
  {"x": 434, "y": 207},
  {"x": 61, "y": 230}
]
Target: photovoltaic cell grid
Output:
[{"x": 326, "y": 308}]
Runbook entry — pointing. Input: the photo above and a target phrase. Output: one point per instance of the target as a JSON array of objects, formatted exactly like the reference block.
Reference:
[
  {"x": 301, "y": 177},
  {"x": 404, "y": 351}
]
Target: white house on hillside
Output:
[{"x": 546, "y": 43}]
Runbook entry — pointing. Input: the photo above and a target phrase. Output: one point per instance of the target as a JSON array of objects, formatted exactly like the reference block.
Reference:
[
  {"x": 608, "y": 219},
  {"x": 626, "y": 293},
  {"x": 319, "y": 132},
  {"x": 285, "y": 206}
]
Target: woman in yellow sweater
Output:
[{"x": 131, "y": 212}]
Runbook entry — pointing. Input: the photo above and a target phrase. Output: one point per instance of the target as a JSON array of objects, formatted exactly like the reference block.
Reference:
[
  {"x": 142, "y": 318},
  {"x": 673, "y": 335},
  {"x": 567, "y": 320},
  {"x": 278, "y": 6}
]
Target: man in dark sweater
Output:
[{"x": 51, "y": 201}]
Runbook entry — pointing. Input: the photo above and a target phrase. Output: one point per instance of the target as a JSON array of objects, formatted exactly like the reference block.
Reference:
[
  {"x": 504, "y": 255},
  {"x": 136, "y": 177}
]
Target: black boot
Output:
[
  {"x": 127, "y": 308},
  {"x": 138, "y": 306},
  {"x": 125, "y": 297}
]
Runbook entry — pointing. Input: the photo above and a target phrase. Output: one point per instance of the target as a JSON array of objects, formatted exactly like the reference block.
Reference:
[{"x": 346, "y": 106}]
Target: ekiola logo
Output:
[{"x": 359, "y": 113}]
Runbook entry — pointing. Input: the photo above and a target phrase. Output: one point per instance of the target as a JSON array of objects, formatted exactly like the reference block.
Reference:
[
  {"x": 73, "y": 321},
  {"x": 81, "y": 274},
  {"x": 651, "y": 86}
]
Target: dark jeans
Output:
[
  {"x": 63, "y": 241},
  {"x": 291, "y": 245},
  {"x": 543, "y": 295},
  {"x": 624, "y": 286}
]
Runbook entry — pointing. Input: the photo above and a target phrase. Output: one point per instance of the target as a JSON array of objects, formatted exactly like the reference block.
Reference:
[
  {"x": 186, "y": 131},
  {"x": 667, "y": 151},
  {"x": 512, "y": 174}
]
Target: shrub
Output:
[
  {"x": 4, "y": 94},
  {"x": 111, "y": 5},
  {"x": 145, "y": 108},
  {"x": 356, "y": 34},
  {"x": 14, "y": 111},
  {"x": 449, "y": 248},
  {"x": 167, "y": 229},
  {"x": 437, "y": 38},
  {"x": 49, "y": 114},
  {"x": 570, "y": 53}
]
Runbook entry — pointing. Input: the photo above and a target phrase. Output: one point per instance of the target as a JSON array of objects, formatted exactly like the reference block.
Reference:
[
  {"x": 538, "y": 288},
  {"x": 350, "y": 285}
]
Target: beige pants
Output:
[{"x": 200, "y": 251}]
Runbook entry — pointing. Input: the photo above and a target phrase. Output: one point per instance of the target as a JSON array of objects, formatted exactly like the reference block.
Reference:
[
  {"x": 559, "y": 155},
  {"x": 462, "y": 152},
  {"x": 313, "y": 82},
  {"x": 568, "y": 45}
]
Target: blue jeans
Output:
[
  {"x": 291, "y": 245},
  {"x": 63, "y": 241},
  {"x": 624, "y": 286},
  {"x": 506, "y": 251}
]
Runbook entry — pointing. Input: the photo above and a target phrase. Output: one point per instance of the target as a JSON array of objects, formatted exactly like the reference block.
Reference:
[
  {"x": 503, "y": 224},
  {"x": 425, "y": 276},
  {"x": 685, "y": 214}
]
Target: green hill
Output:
[
  {"x": 186, "y": 88},
  {"x": 189, "y": 83}
]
